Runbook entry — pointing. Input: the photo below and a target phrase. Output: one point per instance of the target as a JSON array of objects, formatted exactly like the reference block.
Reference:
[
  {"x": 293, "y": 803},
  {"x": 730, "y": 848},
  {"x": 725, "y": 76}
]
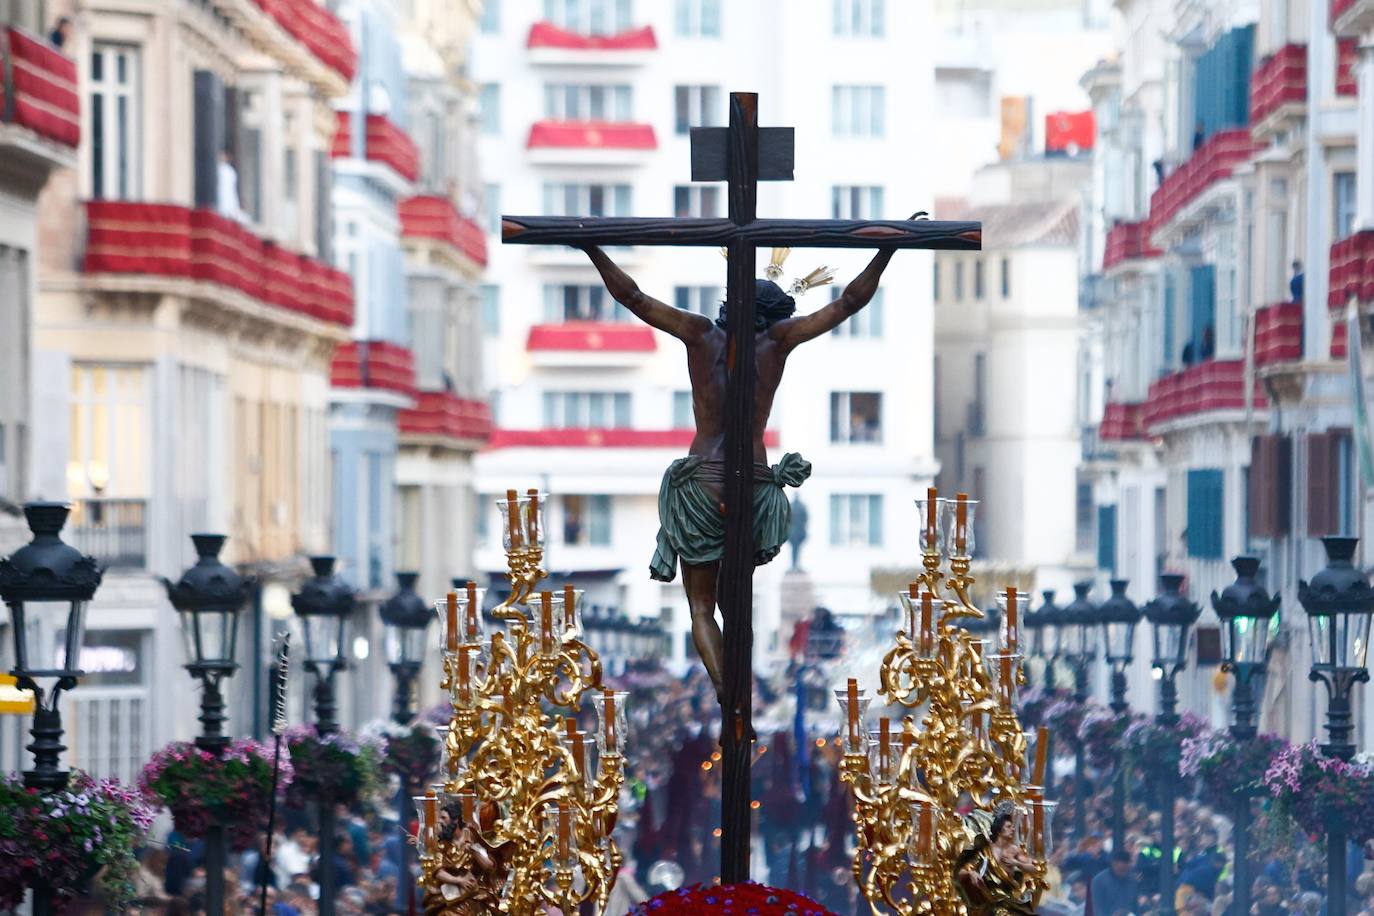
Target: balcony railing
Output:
[
  {"x": 1352, "y": 270},
  {"x": 322, "y": 33},
  {"x": 442, "y": 414},
  {"x": 615, "y": 135},
  {"x": 167, "y": 240},
  {"x": 1340, "y": 335},
  {"x": 433, "y": 217},
  {"x": 1211, "y": 162},
  {"x": 1216, "y": 385},
  {"x": 373, "y": 364},
  {"x": 592, "y": 337},
  {"x": 1127, "y": 242},
  {"x": 1280, "y": 80},
  {"x": 114, "y": 531},
  {"x": 1121, "y": 422},
  {"x": 38, "y": 87},
  {"x": 1278, "y": 334},
  {"x": 548, "y": 35},
  {"x": 603, "y": 438},
  {"x": 383, "y": 142}
]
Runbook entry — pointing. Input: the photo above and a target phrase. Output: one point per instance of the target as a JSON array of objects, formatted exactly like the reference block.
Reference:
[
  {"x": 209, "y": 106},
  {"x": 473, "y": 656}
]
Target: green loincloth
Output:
[{"x": 691, "y": 526}]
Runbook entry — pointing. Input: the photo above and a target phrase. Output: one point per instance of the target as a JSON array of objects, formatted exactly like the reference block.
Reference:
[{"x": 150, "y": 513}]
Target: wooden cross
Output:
[{"x": 741, "y": 155}]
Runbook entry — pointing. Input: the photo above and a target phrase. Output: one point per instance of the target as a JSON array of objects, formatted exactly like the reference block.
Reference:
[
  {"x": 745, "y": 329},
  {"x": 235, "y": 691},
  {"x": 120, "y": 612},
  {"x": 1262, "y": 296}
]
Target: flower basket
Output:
[
  {"x": 1156, "y": 750},
  {"x": 1228, "y": 771},
  {"x": 335, "y": 769},
  {"x": 1031, "y": 706},
  {"x": 200, "y": 788},
  {"x": 739, "y": 899},
  {"x": 409, "y": 752},
  {"x": 1063, "y": 717},
  {"x": 1100, "y": 733},
  {"x": 64, "y": 840},
  {"x": 1316, "y": 792}
]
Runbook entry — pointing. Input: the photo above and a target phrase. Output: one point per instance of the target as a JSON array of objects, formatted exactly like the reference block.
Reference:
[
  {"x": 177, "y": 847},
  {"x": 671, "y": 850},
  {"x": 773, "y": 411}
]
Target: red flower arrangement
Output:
[
  {"x": 199, "y": 787},
  {"x": 740, "y": 899}
]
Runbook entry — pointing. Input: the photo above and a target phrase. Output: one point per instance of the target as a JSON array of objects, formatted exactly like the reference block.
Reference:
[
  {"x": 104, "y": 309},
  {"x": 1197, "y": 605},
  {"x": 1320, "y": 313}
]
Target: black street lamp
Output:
[
  {"x": 208, "y": 598},
  {"x": 1247, "y": 614},
  {"x": 1078, "y": 640},
  {"x": 47, "y": 580},
  {"x": 1170, "y": 615},
  {"x": 1051, "y": 618},
  {"x": 1339, "y": 603},
  {"x": 1035, "y": 625},
  {"x": 1118, "y": 617},
  {"x": 324, "y": 604},
  {"x": 407, "y": 618}
]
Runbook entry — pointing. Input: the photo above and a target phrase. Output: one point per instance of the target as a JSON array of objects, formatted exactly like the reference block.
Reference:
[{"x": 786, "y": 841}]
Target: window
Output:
[
  {"x": 695, "y": 106},
  {"x": 856, "y": 417},
  {"x": 958, "y": 281},
  {"x": 856, "y": 202},
  {"x": 857, "y": 111},
  {"x": 114, "y": 121},
  {"x": 1106, "y": 538},
  {"x": 696, "y": 200},
  {"x": 1330, "y": 483},
  {"x": 856, "y": 520},
  {"x": 1006, "y": 278},
  {"x": 976, "y": 409},
  {"x": 586, "y": 409},
  {"x": 577, "y": 102},
  {"x": 491, "y": 16},
  {"x": 1343, "y": 203},
  {"x": 109, "y": 431},
  {"x": 581, "y": 302},
  {"x": 1083, "y": 514},
  {"x": 859, "y": 18},
  {"x": 491, "y": 309},
  {"x": 683, "y": 417},
  {"x": 978, "y": 279},
  {"x": 935, "y": 280},
  {"x": 491, "y": 208},
  {"x": 491, "y": 108},
  {"x": 587, "y": 521},
  {"x": 867, "y": 322},
  {"x": 1205, "y": 519},
  {"x": 589, "y": 17},
  {"x": 586, "y": 199},
  {"x": 698, "y": 18},
  {"x": 704, "y": 300}
]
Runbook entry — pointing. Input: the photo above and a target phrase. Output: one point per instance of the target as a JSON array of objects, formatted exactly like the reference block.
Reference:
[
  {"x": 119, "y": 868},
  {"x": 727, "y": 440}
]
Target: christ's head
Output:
[{"x": 771, "y": 305}]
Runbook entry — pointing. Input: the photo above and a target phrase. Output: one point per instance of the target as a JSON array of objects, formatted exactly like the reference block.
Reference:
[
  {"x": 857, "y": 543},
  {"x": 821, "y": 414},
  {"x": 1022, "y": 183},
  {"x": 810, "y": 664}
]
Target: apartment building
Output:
[
  {"x": 586, "y": 109},
  {"x": 1219, "y": 394}
]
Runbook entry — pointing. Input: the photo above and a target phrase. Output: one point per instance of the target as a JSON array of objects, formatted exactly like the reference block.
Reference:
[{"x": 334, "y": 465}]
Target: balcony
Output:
[
  {"x": 114, "y": 531},
  {"x": 1352, "y": 270},
  {"x": 1121, "y": 422},
  {"x": 1210, "y": 163},
  {"x": 590, "y": 343},
  {"x": 1216, "y": 386},
  {"x": 443, "y": 418},
  {"x": 678, "y": 439},
  {"x": 590, "y": 142},
  {"x": 1126, "y": 243},
  {"x": 1347, "y": 63},
  {"x": 435, "y": 218},
  {"x": 40, "y": 111},
  {"x": 1340, "y": 336},
  {"x": 548, "y": 44},
  {"x": 1278, "y": 334},
  {"x": 1278, "y": 91},
  {"x": 1350, "y": 18},
  {"x": 375, "y": 364},
  {"x": 384, "y": 143},
  {"x": 312, "y": 41},
  {"x": 206, "y": 256}
]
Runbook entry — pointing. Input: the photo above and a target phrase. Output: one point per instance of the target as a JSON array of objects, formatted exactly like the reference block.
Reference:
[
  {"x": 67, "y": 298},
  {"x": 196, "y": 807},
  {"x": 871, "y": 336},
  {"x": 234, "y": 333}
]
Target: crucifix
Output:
[{"x": 751, "y": 349}]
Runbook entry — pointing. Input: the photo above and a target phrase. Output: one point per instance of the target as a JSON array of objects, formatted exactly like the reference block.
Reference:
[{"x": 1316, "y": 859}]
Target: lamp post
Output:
[
  {"x": 1339, "y": 603},
  {"x": 1050, "y": 617},
  {"x": 1078, "y": 639},
  {"x": 324, "y": 604},
  {"x": 1247, "y": 614},
  {"x": 1170, "y": 615},
  {"x": 407, "y": 618},
  {"x": 1118, "y": 617},
  {"x": 208, "y": 598},
  {"x": 1033, "y": 622},
  {"x": 47, "y": 581}
]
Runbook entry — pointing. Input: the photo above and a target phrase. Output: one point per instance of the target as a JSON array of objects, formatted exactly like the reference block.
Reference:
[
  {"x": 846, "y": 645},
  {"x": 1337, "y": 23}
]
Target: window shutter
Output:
[
  {"x": 209, "y": 136},
  {"x": 324, "y": 210},
  {"x": 1321, "y": 485},
  {"x": 1281, "y": 491},
  {"x": 1202, "y": 306},
  {"x": 1259, "y": 492},
  {"x": 1106, "y": 538},
  {"x": 1206, "y": 523}
]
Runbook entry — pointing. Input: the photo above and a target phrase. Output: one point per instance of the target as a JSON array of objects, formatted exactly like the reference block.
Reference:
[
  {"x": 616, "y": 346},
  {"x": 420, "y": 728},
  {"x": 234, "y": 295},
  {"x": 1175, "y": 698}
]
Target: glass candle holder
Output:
[
  {"x": 427, "y": 814},
  {"x": 959, "y": 529},
  {"x": 854, "y": 705},
  {"x": 885, "y": 753},
  {"x": 932, "y": 512},
  {"x": 522, "y": 519},
  {"x": 461, "y": 621},
  {"x": 1040, "y": 835},
  {"x": 547, "y": 641},
  {"x": 1011, "y": 604},
  {"x": 919, "y": 614},
  {"x": 558, "y": 823},
  {"x": 580, "y": 747},
  {"x": 463, "y": 684},
  {"x": 610, "y": 716},
  {"x": 1004, "y": 668},
  {"x": 925, "y": 826},
  {"x": 455, "y": 764},
  {"x": 567, "y": 612}
]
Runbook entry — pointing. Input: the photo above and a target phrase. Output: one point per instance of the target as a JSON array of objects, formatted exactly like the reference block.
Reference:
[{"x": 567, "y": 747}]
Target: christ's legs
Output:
[{"x": 700, "y": 583}]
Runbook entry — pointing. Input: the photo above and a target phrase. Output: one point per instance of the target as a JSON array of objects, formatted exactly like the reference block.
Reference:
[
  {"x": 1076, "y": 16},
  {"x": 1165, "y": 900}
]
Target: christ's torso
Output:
[{"x": 706, "y": 368}]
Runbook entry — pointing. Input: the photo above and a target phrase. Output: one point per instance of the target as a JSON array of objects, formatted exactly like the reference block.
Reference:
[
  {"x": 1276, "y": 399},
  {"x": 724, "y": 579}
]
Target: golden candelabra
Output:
[
  {"x": 523, "y": 818},
  {"x": 916, "y": 852}
]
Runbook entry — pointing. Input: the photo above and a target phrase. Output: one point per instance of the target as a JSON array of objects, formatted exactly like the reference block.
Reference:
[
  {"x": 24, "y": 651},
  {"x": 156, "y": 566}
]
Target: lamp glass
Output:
[
  {"x": 1171, "y": 643},
  {"x": 1245, "y": 640},
  {"x": 324, "y": 638},
  {"x": 1340, "y": 640},
  {"x": 210, "y": 635},
  {"x": 26, "y": 621},
  {"x": 1119, "y": 639}
]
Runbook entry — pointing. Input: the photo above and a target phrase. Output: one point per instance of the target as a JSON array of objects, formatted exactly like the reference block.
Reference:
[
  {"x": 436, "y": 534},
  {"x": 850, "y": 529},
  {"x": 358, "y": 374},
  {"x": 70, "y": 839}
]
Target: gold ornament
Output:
[
  {"x": 523, "y": 819},
  {"x": 961, "y": 746}
]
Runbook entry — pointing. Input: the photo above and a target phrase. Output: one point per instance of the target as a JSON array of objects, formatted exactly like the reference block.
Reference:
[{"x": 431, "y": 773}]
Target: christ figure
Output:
[{"x": 690, "y": 509}]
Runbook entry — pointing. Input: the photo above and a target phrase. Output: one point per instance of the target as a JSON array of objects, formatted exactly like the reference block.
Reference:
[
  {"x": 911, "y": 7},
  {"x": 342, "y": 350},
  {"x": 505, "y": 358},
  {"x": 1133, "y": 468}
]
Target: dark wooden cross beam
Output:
[{"x": 741, "y": 155}]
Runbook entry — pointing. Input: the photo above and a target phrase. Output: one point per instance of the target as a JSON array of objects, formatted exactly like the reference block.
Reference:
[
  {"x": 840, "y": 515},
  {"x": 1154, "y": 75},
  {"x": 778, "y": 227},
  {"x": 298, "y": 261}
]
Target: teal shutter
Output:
[
  {"x": 1202, "y": 305},
  {"x": 1168, "y": 329},
  {"x": 1106, "y": 538},
  {"x": 1206, "y": 517}
]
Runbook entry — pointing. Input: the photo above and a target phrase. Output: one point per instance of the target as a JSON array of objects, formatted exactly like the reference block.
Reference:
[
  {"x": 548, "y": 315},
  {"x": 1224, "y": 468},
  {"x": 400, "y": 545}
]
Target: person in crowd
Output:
[
  {"x": 61, "y": 31},
  {"x": 1115, "y": 888},
  {"x": 1295, "y": 283}
]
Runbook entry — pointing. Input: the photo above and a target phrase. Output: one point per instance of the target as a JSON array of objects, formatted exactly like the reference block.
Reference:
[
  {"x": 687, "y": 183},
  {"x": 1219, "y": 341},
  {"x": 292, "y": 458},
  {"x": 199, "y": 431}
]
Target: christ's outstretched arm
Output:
[
  {"x": 793, "y": 332},
  {"x": 685, "y": 326}
]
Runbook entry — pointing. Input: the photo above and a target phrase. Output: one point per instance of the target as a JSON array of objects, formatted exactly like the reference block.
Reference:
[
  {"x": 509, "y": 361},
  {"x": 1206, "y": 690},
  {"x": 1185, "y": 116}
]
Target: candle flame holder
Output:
[
  {"x": 962, "y": 742},
  {"x": 529, "y": 802}
]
